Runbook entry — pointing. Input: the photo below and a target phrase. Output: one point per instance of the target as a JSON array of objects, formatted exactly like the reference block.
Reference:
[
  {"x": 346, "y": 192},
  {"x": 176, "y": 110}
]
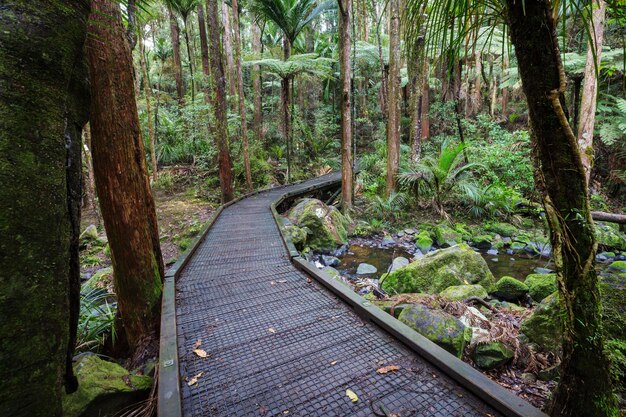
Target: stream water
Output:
[{"x": 517, "y": 266}]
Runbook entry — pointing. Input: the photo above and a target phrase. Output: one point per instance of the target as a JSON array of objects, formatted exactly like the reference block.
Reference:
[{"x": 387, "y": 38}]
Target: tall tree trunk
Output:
[
  {"x": 285, "y": 98},
  {"x": 257, "y": 120},
  {"x": 393, "y": 99},
  {"x": 426, "y": 104},
  {"x": 204, "y": 52},
  {"x": 345, "y": 16},
  {"x": 43, "y": 105},
  {"x": 178, "y": 66},
  {"x": 585, "y": 387},
  {"x": 590, "y": 86},
  {"x": 384, "y": 88},
  {"x": 121, "y": 177},
  {"x": 505, "y": 90},
  {"x": 218, "y": 92},
  {"x": 242, "y": 101},
  {"x": 228, "y": 50},
  {"x": 190, "y": 57},
  {"x": 147, "y": 90},
  {"x": 91, "y": 181}
]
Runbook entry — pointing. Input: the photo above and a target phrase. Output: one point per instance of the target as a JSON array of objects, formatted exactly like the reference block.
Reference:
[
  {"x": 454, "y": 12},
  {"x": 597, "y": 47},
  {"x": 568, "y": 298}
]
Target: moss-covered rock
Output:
[
  {"x": 482, "y": 241},
  {"x": 503, "y": 229},
  {"x": 297, "y": 235},
  {"x": 617, "y": 266},
  {"x": 90, "y": 233},
  {"x": 326, "y": 227},
  {"x": 491, "y": 355},
  {"x": 100, "y": 279},
  {"x": 613, "y": 296},
  {"x": 540, "y": 285},
  {"x": 446, "y": 236},
  {"x": 510, "y": 289},
  {"x": 544, "y": 326},
  {"x": 423, "y": 241},
  {"x": 462, "y": 292},
  {"x": 438, "y": 270},
  {"x": 609, "y": 236},
  {"x": 104, "y": 388},
  {"x": 437, "y": 326}
]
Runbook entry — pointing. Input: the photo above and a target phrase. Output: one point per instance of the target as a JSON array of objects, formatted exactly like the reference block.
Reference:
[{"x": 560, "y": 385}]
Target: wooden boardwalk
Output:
[{"x": 279, "y": 343}]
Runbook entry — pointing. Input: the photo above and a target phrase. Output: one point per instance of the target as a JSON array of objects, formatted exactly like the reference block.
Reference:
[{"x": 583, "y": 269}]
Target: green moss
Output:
[
  {"x": 510, "y": 289},
  {"x": 462, "y": 292},
  {"x": 445, "y": 235},
  {"x": 326, "y": 227},
  {"x": 617, "y": 266},
  {"x": 503, "y": 229},
  {"x": 540, "y": 285},
  {"x": 437, "y": 326},
  {"x": 491, "y": 355},
  {"x": 436, "y": 271},
  {"x": 613, "y": 296},
  {"x": 104, "y": 388},
  {"x": 544, "y": 326},
  {"x": 423, "y": 241},
  {"x": 609, "y": 236},
  {"x": 100, "y": 279}
]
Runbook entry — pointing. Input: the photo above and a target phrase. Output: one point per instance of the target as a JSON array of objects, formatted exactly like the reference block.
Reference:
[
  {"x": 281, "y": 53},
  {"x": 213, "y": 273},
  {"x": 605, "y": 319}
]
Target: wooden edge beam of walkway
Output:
[{"x": 169, "y": 400}]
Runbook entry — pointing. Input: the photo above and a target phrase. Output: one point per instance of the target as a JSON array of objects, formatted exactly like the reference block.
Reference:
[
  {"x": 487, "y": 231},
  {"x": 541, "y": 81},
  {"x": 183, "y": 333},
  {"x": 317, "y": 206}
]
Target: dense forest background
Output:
[{"x": 420, "y": 105}]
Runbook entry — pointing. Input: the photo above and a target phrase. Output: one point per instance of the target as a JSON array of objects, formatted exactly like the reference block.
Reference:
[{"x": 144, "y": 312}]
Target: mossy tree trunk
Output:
[
  {"x": 345, "y": 21},
  {"x": 218, "y": 93},
  {"x": 393, "y": 99},
  {"x": 121, "y": 176},
  {"x": 43, "y": 108},
  {"x": 585, "y": 387}
]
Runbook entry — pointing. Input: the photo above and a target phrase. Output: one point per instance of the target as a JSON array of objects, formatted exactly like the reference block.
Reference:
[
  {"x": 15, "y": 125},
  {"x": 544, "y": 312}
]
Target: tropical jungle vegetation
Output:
[{"x": 124, "y": 124}]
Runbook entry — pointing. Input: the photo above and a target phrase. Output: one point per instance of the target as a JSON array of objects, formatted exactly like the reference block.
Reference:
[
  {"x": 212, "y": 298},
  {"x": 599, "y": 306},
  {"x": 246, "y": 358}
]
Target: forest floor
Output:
[{"x": 181, "y": 216}]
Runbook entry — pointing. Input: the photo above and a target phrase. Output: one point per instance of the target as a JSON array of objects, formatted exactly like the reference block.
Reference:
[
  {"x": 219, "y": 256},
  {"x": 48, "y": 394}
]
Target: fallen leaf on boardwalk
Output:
[
  {"x": 352, "y": 395},
  {"x": 281, "y": 281},
  {"x": 309, "y": 280},
  {"x": 197, "y": 344},
  {"x": 263, "y": 410},
  {"x": 385, "y": 369},
  {"x": 271, "y": 330},
  {"x": 200, "y": 353},
  {"x": 194, "y": 380},
  {"x": 333, "y": 363}
]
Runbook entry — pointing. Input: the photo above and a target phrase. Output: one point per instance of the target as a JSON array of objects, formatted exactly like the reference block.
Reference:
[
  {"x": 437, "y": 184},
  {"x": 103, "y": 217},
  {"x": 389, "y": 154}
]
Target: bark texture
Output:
[
  {"x": 345, "y": 16},
  {"x": 121, "y": 176},
  {"x": 590, "y": 86},
  {"x": 393, "y": 99},
  {"x": 228, "y": 51},
  {"x": 585, "y": 388},
  {"x": 241, "y": 97},
  {"x": 285, "y": 100},
  {"x": 218, "y": 93},
  {"x": 43, "y": 107}
]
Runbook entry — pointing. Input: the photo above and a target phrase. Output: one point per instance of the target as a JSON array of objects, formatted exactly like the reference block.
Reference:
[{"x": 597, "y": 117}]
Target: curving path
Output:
[{"x": 281, "y": 344}]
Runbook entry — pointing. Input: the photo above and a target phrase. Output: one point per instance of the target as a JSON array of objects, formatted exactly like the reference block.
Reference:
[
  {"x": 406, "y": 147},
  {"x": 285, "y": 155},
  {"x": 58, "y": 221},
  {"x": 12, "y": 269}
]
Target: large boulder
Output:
[
  {"x": 510, "y": 289},
  {"x": 438, "y": 270},
  {"x": 325, "y": 225},
  {"x": 462, "y": 292},
  {"x": 104, "y": 388},
  {"x": 544, "y": 326},
  {"x": 491, "y": 355},
  {"x": 503, "y": 229},
  {"x": 437, "y": 326},
  {"x": 446, "y": 236},
  {"x": 540, "y": 285},
  {"x": 609, "y": 236}
]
